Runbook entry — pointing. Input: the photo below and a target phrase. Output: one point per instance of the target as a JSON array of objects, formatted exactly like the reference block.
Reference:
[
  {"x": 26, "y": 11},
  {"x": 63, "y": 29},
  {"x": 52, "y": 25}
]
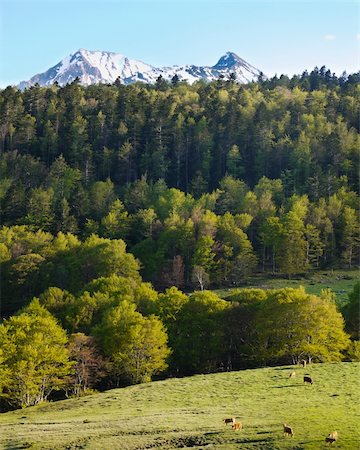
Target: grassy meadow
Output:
[
  {"x": 189, "y": 413},
  {"x": 341, "y": 282}
]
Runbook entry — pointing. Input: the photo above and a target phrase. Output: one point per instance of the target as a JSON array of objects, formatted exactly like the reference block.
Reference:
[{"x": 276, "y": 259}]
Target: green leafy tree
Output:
[
  {"x": 95, "y": 257},
  {"x": 136, "y": 345},
  {"x": 292, "y": 256},
  {"x": 232, "y": 192},
  {"x": 203, "y": 260},
  {"x": 235, "y": 259},
  {"x": 39, "y": 209},
  {"x": 271, "y": 234},
  {"x": 294, "y": 325},
  {"x": 35, "y": 360},
  {"x": 240, "y": 327},
  {"x": 60, "y": 303},
  {"x": 144, "y": 224},
  {"x": 314, "y": 245},
  {"x": 350, "y": 236},
  {"x": 169, "y": 303},
  {"x": 116, "y": 224},
  {"x": 62, "y": 178},
  {"x": 198, "y": 338},
  {"x": 102, "y": 196}
]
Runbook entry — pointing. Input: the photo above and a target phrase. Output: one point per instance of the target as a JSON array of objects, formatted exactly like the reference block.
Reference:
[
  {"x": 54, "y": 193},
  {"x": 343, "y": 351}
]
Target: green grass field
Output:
[
  {"x": 341, "y": 282},
  {"x": 188, "y": 413}
]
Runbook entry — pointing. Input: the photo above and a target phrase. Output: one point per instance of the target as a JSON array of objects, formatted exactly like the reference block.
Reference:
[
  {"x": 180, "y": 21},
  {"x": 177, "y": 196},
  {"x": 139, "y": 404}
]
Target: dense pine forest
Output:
[{"x": 110, "y": 191}]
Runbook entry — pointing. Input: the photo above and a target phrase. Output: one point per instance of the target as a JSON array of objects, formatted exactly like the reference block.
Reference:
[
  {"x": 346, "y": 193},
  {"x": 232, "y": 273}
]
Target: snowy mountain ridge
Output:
[{"x": 93, "y": 67}]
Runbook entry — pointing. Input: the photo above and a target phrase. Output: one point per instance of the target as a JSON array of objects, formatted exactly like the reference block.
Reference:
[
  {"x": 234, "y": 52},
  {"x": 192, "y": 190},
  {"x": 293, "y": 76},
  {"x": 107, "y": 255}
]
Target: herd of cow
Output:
[{"x": 288, "y": 431}]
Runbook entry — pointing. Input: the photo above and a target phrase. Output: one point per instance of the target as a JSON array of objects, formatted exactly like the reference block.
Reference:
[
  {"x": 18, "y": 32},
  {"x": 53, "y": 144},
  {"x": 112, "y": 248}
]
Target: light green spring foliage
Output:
[
  {"x": 137, "y": 345},
  {"x": 85, "y": 310},
  {"x": 298, "y": 325},
  {"x": 117, "y": 223},
  {"x": 247, "y": 296},
  {"x": 20, "y": 240},
  {"x": 34, "y": 358},
  {"x": 292, "y": 255},
  {"x": 170, "y": 303}
]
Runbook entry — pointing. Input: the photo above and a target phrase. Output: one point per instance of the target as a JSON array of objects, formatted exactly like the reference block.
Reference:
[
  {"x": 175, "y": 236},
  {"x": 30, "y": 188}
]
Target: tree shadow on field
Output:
[
  {"x": 17, "y": 446},
  {"x": 259, "y": 440},
  {"x": 285, "y": 386}
]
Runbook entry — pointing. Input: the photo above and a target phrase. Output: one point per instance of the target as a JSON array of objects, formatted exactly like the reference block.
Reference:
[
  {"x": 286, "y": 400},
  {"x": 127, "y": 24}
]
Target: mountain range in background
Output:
[{"x": 93, "y": 67}]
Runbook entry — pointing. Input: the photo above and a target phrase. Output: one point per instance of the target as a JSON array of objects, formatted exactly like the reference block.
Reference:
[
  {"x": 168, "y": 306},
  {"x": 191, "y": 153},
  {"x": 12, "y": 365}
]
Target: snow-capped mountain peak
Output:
[
  {"x": 92, "y": 67},
  {"x": 229, "y": 60}
]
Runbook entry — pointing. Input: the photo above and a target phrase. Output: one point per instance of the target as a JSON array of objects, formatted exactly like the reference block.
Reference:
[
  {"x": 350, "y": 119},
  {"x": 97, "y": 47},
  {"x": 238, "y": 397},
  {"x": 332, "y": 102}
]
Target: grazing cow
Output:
[
  {"x": 308, "y": 380},
  {"x": 292, "y": 375},
  {"x": 229, "y": 420},
  {"x": 331, "y": 437},
  {"x": 288, "y": 431},
  {"x": 237, "y": 426}
]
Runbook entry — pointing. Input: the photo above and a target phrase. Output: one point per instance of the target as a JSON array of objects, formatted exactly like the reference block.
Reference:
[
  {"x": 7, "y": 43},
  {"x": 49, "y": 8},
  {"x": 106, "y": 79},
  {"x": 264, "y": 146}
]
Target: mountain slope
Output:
[{"x": 93, "y": 67}]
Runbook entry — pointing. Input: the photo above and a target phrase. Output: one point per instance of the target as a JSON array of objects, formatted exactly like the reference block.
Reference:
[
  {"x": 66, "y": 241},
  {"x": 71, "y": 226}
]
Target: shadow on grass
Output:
[
  {"x": 12, "y": 446},
  {"x": 259, "y": 440},
  {"x": 285, "y": 386}
]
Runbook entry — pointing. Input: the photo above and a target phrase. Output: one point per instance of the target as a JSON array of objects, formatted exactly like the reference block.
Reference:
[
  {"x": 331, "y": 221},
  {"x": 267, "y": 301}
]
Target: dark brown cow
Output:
[
  {"x": 308, "y": 380},
  {"x": 229, "y": 420},
  {"x": 288, "y": 431}
]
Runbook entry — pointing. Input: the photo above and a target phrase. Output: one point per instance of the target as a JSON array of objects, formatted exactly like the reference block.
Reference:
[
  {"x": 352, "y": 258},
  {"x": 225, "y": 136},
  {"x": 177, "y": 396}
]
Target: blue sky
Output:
[{"x": 285, "y": 36}]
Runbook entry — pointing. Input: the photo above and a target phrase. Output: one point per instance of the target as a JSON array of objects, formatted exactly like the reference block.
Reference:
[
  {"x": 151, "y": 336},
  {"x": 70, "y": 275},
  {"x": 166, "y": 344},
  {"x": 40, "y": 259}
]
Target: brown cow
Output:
[
  {"x": 331, "y": 437},
  {"x": 308, "y": 380},
  {"x": 229, "y": 420},
  {"x": 237, "y": 426},
  {"x": 288, "y": 431}
]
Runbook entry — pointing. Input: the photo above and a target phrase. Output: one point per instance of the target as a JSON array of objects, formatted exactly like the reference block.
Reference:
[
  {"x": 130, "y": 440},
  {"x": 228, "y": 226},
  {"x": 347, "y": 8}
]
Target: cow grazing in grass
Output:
[
  {"x": 292, "y": 374},
  {"x": 288, "y": 431},
  {"x": 229, "y": 420},
  {"x": 331, "y": 437},
  {"x": 308, "y": 380},
  {"x": 237, "y": 426}
]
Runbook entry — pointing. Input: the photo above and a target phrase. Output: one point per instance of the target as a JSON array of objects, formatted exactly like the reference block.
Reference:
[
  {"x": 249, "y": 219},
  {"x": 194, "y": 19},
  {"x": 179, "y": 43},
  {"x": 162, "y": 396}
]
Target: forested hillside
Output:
[
  {"x": 106, "y": 188},
  {"x": 205, "y": 183}
]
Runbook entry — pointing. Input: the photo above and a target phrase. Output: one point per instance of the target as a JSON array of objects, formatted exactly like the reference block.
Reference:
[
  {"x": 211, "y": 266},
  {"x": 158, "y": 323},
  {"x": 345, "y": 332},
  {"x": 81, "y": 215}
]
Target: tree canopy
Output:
[{"x": 34, "y": 359}]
